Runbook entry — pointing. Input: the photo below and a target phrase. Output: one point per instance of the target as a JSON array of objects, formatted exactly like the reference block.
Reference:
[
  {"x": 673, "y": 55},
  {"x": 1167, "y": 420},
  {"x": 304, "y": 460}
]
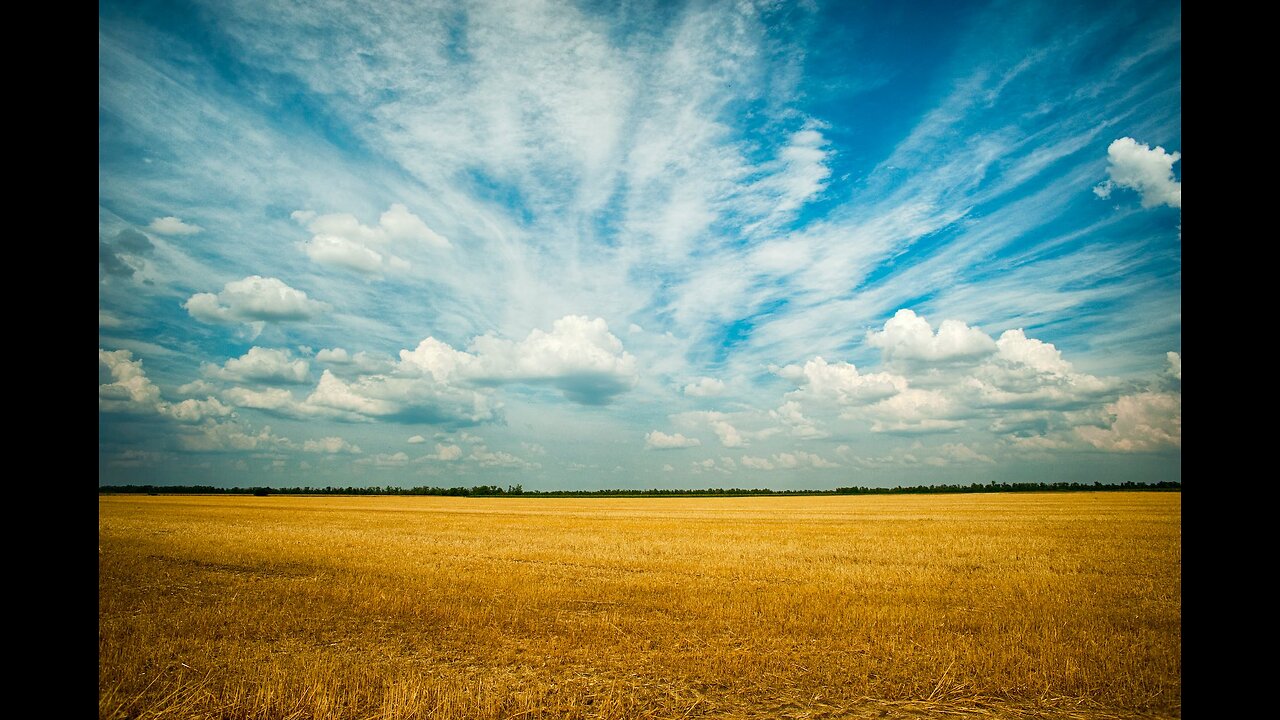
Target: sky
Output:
[{"x": 639, "y": 244}]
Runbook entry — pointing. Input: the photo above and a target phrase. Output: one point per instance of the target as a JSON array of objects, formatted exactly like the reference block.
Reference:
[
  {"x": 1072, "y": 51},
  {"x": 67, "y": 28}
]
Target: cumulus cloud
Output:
[
  {"x": 171, "y": 225},
  {"x": 340, "y": 240},
  {"x": 275, "y": 400},
  {"x": 254, "y": 299},
  {"x": 1143, "y": 422},
  {"x": 792, "y": 460},
  {"x": 194, "y": 411},
  {"x": 947, "y": 378},
  {"x": 918, "y": 454},
  {"x": 840, "y": 382},
  {"x": 444, "y": 452},
  {"x": 1136, "y": 166},
  {"x": 416, "y": 440},
  {"x": 334, "y": 356},
  {"x": 197, "y": 387},
  {"x": 497, "y": 459},
  {"x": 400, "y": 399},
  {"x": 791, "y": 415},
  {"x": 957, "y": 453},
  {"x": 262, "y": 365},
  {"x": 801, "y": 459},
  {"x": 704, "y": 387},
  {"x": 1175, "y": 365},
  {"x": 579, "y": 357},
  {"x": 1027, "y": 373},
  {"x": 734, "y": 430},
  {"x": 385, "y": 460},
  {"x": 729, "y": 435},
  {"x": 907, "y": 336},
  {"x": 362, "y": 362},
  {"x": 330, "y": 446},
  {"x": 658, "y": 440},
  {"x": 214, "y": 436},
  {"x": 131, "y": 391},
  {"x": 333, "y": 393}
]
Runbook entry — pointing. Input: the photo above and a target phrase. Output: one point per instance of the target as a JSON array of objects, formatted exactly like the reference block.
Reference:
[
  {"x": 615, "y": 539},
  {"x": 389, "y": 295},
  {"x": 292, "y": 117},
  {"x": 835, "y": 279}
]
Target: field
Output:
[{"x": 993, "y": 606}]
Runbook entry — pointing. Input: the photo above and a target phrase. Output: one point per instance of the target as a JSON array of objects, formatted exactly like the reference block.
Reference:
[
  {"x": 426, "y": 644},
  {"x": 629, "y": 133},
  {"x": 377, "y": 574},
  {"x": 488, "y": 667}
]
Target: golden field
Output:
[{"x": 1010, "y": 605}]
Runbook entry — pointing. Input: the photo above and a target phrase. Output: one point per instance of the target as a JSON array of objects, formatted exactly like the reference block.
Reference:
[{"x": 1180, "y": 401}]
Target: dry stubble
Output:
[{"x": 1046, "y": 605}]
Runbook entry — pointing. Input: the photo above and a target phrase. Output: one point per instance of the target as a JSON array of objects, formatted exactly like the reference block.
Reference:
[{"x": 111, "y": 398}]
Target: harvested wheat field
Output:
[{"x": 1020, "y": 605}]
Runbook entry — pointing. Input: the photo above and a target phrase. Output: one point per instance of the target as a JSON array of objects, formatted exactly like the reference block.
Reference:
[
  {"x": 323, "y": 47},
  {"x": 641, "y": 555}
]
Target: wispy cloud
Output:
[{"x": 714, "y": 227}]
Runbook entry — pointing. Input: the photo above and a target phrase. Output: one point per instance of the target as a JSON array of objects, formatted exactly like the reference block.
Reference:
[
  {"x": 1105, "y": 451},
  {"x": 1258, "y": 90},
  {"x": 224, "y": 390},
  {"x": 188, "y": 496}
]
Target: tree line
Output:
[{"x": 519, "y": 491}]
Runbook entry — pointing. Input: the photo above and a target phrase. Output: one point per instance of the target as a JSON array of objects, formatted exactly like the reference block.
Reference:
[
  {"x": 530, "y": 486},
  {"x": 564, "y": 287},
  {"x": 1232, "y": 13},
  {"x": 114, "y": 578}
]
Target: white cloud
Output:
[
  {"x": 704, "y": 387},
  {"x": 333, "y": 393},
  {"x": 1030, "y": 374},
  {"x": 416, "y": 440},
  {"x": 658, "y": 440},
  {"x": 841, "y": 383},
  {"x": 907, "y": 336},
  {"x": 500, "y": 459},
  {"x": 213, "y": 436},
  {"x": 1175, "y": 365},
  {"x": 1015, "y": 347},
  {"x": 340, "y": 240},
  {"x": 263, "y": 365},
  {"x": 801, "y": 459},
  {"x": 445, "y": 453},
  {"x": 400, "y": 224},
  {"x": 171, "y": 225},
  {"x": 333, "y": 356},
  {"x": 791, "y": 415},
  {"x": 330, "y": 446},
  {"x": 667, "y": 468},
  {"x": 272, "y": 399},
  {"x": 197, "y": 387},
  {"x": 130, "y": 390},
  {"x": 362, "y": 361},
  {"x": 194, "y": 411},
  {"x": 729, "y": 435},
  {"x": 734, "y": 430},
  {"x": 579, "y": 357},
  {"x": 917, "y": 454},
  {"x": 915, "y": 411},
  {"x": 1143, "y": 422},
  {"x": 959, "y": 453},
  {"x": 791, "y": 460},
  {"x": 1136, "y": 166},
  {"x": 385, "y": 460},
  {"x": 340, "y": 252},
  {"x": 254, "y": 299}
]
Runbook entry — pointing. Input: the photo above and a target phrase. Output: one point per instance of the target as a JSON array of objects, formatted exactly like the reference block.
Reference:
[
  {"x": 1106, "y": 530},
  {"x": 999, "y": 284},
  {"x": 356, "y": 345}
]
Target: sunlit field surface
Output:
[{"x": 1011, "y": 605}]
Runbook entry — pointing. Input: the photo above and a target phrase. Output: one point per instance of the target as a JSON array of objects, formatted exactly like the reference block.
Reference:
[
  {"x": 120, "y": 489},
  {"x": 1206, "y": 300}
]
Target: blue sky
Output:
[{"x": 581, "y": 245}]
